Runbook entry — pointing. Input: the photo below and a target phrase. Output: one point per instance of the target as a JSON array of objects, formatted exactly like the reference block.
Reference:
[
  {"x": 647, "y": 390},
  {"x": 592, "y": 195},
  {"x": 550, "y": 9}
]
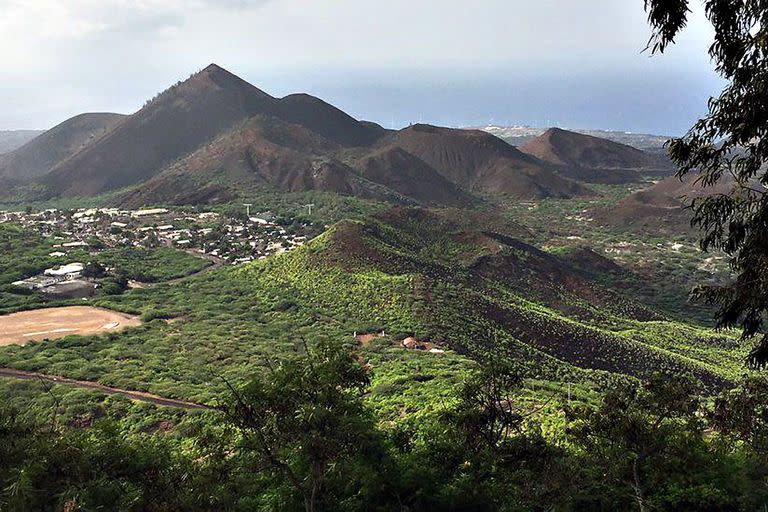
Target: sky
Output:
[{"x": 568, "y": 63}]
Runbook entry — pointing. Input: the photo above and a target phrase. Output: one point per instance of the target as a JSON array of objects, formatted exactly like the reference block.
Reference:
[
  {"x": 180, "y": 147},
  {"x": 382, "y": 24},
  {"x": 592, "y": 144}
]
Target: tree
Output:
[
  {"x": 485, "y": 415},
  {"x": 729, "y": 147},
  {"x": 484, "y": 452},
  {"x": 47, "y": 468},
  {"x": 94, "y": 270},
  {"x": 638, "y": 432},
  {"x": 743, "y": 415},
  {"x": 306, "y": 420}
]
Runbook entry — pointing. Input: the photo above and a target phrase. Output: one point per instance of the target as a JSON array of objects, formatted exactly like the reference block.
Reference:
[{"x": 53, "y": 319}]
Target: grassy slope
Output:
[
  {"x": 661, "y": 273},
  {"x": 401, "y": 275}
]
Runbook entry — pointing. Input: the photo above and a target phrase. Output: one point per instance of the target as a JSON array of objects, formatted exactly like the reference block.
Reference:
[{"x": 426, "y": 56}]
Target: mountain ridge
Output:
[
  {"x": 14, "y": 139},
  {"x": 592, "y": 159},
  {"x": 36, "y": 157},
  {"x": 175, "y": 149}
]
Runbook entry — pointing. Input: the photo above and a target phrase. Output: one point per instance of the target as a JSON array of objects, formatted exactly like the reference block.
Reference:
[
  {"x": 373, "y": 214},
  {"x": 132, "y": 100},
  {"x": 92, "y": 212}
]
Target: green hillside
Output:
[
  {"x": 461, "y": 282},
  {"x": 468, "y": 294}
]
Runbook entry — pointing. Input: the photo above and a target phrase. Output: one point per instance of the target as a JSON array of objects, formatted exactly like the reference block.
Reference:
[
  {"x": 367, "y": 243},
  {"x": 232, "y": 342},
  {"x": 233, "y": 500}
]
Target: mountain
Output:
[
  {"x": 418, "y": 165},
  {"x": 519, "y": 135},
  {"x": 592, "y": 159},
  {"x": 184, "y": 118},
  {"x": 214, "y": 137},
  {"x": 265, "y": 151},
  {"x": 38, "y": 156},
  {"x": 661, "y": 207},
  {"x": 406, "y": 174},
  {"x": 168, "y": 127},
  {"x": 471, "y": 283},
  {"x": 327, "y": 120},
  {"x": 12, "y": 139},
  {"x": 482, "y": 163}
]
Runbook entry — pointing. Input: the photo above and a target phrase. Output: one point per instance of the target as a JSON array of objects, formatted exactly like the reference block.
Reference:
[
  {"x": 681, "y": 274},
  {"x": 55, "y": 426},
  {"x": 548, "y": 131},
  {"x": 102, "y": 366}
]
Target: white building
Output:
[
  {"x": 69, "y": 270},
  {"x": 146, "y": 213}
]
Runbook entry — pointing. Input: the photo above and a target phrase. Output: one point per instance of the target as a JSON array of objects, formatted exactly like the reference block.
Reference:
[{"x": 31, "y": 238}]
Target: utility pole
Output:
[
  {"x": 248, "y": 209},
  {"x": 309, "y": 209}
]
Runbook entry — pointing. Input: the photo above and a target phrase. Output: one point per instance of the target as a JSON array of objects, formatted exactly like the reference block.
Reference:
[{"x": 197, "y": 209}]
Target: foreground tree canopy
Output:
[
  {"x": 301, "y": 437},
  {"x": 729, "y": 147}
]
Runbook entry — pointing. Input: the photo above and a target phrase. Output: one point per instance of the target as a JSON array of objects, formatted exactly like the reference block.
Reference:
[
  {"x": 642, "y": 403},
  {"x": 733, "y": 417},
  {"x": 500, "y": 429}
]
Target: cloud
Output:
[{"x": 112, "y": 54}]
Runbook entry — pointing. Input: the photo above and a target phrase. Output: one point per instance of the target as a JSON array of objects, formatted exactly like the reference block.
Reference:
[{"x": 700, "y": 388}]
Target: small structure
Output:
[
  {"x": 71, "y": 289},
  {"x": 84, "y": 213},
  {"x": 149, "y": 212},
  {"x": 71, "y": 271},
  {"x": 412, "y": 343},
  {"x": 36, "y": 282}
]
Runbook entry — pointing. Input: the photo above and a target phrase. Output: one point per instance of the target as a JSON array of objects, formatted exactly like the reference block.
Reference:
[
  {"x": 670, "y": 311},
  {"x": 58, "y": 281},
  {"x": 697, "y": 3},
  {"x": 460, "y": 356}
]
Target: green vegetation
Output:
[
  {"x": 301, "y": 437},
  {"x": 326, "y": 208},
  {"x": 659, "y": 270},
  {"x": 151, "y": 265},
  {"x": 413, "y": 429},
  {"x": 68, "y": 203},
  {"x": 25, "y": 254},
  {"x": 407, "y": 273}
]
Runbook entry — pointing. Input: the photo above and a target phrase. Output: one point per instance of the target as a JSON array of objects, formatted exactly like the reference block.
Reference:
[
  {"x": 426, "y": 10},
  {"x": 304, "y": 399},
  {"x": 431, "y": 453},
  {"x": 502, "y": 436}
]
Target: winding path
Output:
[
  {"x": 216, "y": 262},
  {"x": 133, "y": 395}
]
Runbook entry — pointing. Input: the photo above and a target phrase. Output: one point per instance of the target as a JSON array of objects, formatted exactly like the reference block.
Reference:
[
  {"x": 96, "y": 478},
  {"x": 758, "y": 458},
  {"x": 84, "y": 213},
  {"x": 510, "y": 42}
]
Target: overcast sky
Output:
[{"x": 571, "y": 63}]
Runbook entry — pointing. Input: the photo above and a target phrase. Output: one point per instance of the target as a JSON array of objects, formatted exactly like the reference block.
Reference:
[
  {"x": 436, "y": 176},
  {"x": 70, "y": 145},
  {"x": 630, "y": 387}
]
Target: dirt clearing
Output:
[{"x": 52, "y": 323}]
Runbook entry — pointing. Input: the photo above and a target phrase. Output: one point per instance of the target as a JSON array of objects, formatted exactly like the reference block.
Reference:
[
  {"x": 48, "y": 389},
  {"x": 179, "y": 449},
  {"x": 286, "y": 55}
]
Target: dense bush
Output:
[{"x": 302, "y": 437}]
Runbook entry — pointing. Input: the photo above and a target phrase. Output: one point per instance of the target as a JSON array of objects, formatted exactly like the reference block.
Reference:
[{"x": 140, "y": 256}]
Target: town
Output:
[{"x": 219, "y": 238}]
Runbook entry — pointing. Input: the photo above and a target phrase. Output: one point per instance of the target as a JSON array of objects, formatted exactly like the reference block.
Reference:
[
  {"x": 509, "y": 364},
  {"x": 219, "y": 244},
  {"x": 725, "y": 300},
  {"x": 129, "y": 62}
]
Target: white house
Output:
[{"x": 69, "y": 270}]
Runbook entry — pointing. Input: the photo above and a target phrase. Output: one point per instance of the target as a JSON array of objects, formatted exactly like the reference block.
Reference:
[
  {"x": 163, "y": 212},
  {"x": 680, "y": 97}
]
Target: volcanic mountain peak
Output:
[
  {"x": 173, "y": 124},
  {"x": 327, "y": 120},
  {"x": 224, "y": 78},
  {"x": 37, "y": 156},
  {"x": 661, "y": 207},
  {"x": 405, "y": 173},
  {"x": 210, "y": 83},
  {"x": 214, "y": 68},
  {"x": 592, "y": 159},
  {"x": 478, "y": 146},
  {"x": 566, "y": 148},
  {"x": 481, "y": 162}
]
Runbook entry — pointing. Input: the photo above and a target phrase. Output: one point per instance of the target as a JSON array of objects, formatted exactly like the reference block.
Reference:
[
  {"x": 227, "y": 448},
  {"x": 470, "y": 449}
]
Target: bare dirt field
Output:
[{"x": 52, "y": 323}]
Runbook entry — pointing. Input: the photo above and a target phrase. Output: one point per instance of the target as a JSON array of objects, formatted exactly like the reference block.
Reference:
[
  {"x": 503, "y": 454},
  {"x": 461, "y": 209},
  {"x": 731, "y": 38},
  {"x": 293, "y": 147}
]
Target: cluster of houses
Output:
[
  {"x": 207, "y": 234},
  {"x": 52, "y": 276}
]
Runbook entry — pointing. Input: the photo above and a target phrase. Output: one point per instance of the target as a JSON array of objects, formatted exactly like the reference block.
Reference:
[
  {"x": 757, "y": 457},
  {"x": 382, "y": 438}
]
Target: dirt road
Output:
[
  {"x": 133, "y": 395},
  {"x": 216, "y": 262}
]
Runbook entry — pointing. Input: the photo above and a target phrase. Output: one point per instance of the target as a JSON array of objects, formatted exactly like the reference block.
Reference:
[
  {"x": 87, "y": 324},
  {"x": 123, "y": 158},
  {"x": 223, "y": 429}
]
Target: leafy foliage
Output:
[
  {"x": 743, "y": 414},
  {"x": 729, "y": 147},
  {"x": 640, "y": 436},
  {"x": 306, "y": 421}
]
